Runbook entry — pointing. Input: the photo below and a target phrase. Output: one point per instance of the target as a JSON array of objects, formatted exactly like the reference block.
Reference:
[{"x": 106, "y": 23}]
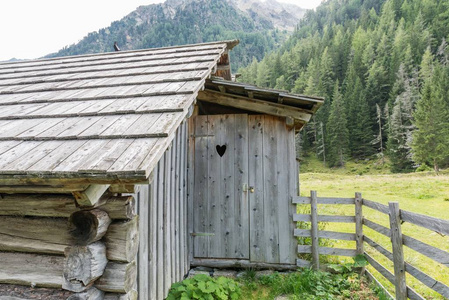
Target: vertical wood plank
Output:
[
  {"x": 271, "y": 190},
  {"x": 143, "y": 269},
  {"x": 190, "y": 193},
  {"x": 240, "y": 234},
  {"x": 398, "y": 254},
  {"x": 174, "y": 250},
  {"x": 153, "y": 210},
  {"x": 225, "y": 133},
  {"x": 166, "y": 222},
  {"x": 177, "y": 211},
  {"x": 283, "y": 192},
  {"x": 181, "y": 207},
  {"x": 314, "y": 230},
  {"x": 215, "y": 195},
  {"x": 359, "y": 223},
  {"x": 293, "y": 179},
  {"x": 256, "y": 179},
  {"x": 200, "y": 191},
  {"x": 160, "y": 229},
  {"x": 184, "y": 183}
]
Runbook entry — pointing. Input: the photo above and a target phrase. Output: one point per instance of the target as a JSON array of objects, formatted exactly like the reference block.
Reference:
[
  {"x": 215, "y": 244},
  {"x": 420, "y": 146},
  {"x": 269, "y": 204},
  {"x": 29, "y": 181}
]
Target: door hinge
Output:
[
  {"x": 201, "y": 135},
  {"x": 202, "y": 234}
]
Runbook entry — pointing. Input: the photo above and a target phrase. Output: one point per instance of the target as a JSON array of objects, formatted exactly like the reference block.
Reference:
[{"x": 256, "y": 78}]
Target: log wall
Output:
[
  {"x": 162, "y": 208},
  {"x": 50, "y": 248}
]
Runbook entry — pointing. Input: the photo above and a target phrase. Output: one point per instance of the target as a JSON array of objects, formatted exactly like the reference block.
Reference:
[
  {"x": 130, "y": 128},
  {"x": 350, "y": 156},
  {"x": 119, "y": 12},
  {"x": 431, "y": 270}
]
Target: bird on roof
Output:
[{"x": 116, "y": 48}]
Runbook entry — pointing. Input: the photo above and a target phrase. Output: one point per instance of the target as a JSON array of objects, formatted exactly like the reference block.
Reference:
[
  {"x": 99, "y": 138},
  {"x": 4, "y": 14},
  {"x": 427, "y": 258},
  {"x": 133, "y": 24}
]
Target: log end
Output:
[{"x": 87, "y": 226}]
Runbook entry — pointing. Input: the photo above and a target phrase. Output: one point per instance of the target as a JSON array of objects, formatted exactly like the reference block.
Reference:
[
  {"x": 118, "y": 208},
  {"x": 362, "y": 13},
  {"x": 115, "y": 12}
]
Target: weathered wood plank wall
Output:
[{"x": 163, "y": 250}]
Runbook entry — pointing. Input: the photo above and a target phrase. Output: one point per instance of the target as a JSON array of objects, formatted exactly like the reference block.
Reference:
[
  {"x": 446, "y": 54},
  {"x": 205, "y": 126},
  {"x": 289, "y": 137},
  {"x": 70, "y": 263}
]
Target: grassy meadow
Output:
[{"x": 425, "y": 193}]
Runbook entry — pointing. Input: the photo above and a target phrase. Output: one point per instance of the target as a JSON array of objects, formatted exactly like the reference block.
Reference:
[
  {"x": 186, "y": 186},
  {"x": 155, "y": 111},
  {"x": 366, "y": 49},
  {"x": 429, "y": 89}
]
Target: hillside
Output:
[
  {"x": 260, "y": 26},
  {"x": 383, "y": 67}
]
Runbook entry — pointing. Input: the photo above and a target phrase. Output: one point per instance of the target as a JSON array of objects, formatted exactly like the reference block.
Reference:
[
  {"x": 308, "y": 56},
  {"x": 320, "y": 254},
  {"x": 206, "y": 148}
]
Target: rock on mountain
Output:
[{"x": 283, "y": 16}]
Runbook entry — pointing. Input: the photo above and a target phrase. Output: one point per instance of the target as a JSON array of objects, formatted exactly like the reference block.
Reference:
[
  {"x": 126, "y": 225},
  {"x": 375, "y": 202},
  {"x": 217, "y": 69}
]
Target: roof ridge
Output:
[{"x": 229, "y": 45}]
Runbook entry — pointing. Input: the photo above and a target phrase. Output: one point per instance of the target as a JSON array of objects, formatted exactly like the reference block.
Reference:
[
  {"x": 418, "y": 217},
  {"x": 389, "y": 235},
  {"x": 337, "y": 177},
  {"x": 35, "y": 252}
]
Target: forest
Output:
[{"x": 382, "y": 67}]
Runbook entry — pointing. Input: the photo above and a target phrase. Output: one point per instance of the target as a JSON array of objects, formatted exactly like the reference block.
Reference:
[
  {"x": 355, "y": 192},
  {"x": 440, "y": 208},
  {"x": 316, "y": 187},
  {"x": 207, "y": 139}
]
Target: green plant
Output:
[
  {"x": 379, "y": 292},
  {"x": 249, "y": 274},
  {"x": 205, "y": 287},
  {"x": 423, "y": 168},
  {"x": 310, "y": 284},
  {"x": 359, "y": 262}
]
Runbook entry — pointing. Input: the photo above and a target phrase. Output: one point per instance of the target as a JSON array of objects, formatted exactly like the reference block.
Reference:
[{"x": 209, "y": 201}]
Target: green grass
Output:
[
  {"x": 307, "y": 285},
  {"x": 424, "y": 193},
  {"x": 367, "y": 166}
]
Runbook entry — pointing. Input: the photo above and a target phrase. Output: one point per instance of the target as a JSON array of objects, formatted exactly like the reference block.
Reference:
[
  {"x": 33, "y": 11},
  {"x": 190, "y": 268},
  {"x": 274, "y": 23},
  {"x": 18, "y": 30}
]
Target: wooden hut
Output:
[{"x": 99, "y": 152}]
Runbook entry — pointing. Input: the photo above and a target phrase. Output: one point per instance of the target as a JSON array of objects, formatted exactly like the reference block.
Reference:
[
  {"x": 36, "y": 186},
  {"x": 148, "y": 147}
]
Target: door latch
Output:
[{"x": 245, "y": 188}]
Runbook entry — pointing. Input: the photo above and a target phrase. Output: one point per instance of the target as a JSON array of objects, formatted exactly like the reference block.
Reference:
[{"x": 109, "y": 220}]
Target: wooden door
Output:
[
  {"x": 273, "y": 180},
  {"x": 220, "y": 200}
]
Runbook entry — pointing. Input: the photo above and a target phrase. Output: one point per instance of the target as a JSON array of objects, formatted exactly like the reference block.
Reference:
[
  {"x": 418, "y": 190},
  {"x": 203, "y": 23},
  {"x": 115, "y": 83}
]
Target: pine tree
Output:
[
  {"x": 337, "y": 131},
  {"x": 263, "y": 76},
  {"x": 321, "y": 143},
  {"x": 276, "y": 70},
  {"x": 359, "y": 120},
  {"x": 401, "y": 128},
  {"x": 426, "y": 67},
  {"x": 431, "y": 139},
  {"x": 378, "y": 140},
  {"x": 377, "y": 89},
  {"x": 326, "y": 74}
]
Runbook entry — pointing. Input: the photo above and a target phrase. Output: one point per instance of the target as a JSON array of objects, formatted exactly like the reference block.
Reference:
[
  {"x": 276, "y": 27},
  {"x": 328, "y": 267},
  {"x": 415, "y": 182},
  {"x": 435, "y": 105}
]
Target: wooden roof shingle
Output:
[{"x": 104, "y": 117}]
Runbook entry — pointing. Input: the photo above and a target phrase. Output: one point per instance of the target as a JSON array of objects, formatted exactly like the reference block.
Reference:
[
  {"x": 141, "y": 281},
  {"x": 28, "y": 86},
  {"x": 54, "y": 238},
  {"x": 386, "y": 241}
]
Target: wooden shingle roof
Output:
[{"x": 104, "y": 117}]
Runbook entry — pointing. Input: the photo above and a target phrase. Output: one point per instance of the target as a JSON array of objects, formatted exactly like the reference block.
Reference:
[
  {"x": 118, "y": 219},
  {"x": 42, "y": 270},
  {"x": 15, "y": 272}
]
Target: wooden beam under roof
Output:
[
  {"x": 310, "y": 103},
  {"x": 259, "y": 106}
]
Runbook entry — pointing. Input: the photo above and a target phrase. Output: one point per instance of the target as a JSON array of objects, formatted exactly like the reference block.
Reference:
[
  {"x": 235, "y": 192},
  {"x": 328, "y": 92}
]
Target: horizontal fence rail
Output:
[{"x": 394, "y": 233}]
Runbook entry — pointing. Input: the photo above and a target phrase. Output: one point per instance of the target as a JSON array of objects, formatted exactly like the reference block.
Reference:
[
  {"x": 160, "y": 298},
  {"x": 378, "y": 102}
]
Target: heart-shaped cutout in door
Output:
[{"x": 221, "y": 150}]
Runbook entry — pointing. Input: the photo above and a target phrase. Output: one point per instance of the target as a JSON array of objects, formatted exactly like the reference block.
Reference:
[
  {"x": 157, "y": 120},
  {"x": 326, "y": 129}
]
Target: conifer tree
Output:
[
  {"x": 426, "y": 67},
  {"x": 401, "y": 128},
  {"x": 378, "y": 140},
  {"x": 263, "y": 76},
  {"x": 337, "y": 131},
  {"x": 359, "y": 120},
  {"x": 431, "y": 139},
  {"x": 326, "y": 74},
  {"x": 321, "y": 143}
]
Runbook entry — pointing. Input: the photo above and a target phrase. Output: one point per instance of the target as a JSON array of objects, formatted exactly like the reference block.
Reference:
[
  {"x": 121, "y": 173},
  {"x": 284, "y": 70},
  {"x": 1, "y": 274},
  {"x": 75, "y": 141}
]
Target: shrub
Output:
[{"x": 204, "y": 287}]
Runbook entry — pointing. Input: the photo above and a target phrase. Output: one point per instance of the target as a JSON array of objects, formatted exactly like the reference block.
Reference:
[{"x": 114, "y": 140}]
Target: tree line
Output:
[{"x": 382, "y": 67}]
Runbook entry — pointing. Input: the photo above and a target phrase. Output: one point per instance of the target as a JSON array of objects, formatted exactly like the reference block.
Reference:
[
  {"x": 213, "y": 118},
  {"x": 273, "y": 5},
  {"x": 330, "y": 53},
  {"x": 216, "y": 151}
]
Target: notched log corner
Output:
[{"x": 87, "y": 226}]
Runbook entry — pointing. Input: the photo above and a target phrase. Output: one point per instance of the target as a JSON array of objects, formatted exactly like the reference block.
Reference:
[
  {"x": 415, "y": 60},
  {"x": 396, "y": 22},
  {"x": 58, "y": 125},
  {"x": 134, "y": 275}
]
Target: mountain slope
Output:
[{"x": 177, "y": 22}]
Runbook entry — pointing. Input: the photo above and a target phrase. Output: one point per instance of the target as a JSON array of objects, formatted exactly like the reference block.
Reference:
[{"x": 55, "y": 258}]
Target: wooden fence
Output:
[{"x": 397, "y": 217}]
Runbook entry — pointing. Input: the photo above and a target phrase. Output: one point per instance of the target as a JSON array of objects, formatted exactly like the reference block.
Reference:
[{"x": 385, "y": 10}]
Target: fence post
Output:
[
  {"x": 314, "y": 229},
  {"x": 398, "y": 254},
  {"x": 359, "y": 223}
]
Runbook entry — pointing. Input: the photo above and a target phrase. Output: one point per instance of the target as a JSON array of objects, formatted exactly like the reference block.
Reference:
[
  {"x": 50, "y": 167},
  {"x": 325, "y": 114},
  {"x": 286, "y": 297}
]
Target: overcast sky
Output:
[{"x": 34, "y": 28}]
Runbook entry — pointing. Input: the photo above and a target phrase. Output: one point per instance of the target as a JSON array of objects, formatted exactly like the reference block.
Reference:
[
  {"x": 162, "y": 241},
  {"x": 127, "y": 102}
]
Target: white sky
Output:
[{"x": 34, "y": 28}]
